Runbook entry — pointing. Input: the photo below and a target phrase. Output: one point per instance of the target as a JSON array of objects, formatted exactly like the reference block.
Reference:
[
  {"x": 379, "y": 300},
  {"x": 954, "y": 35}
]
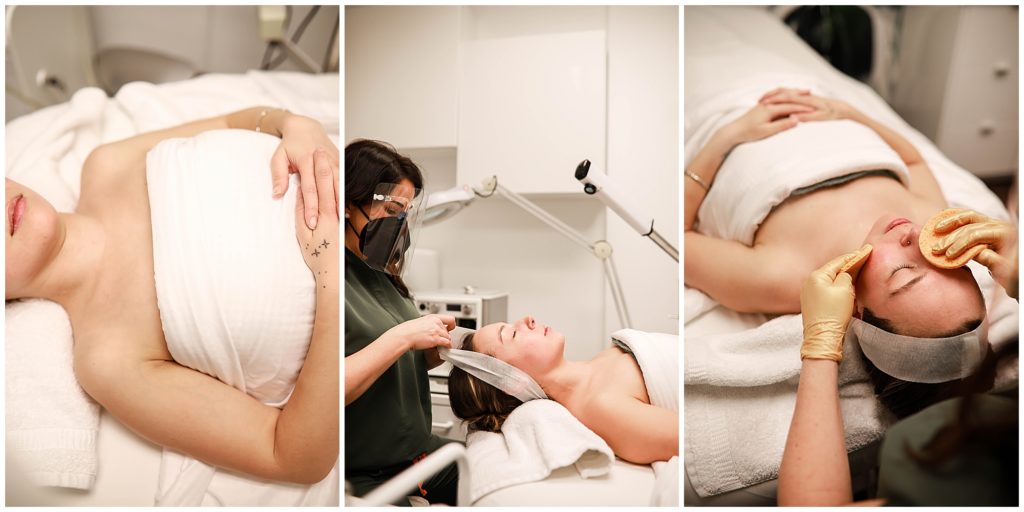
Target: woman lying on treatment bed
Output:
[
  {"x": 607, "y": 393},
  {"x": 98, "y": 263},
  {"x": 897, "y": 290}
]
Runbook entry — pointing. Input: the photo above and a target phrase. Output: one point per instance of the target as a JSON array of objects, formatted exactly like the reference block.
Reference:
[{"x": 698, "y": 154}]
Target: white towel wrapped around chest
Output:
[
  {"x": 758, "y": 176},
  {"x": 236, "y": 298}
]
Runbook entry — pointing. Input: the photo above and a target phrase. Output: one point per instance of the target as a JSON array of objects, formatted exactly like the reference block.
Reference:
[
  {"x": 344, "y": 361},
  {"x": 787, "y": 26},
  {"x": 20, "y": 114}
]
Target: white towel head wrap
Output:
[
  {"x": 489, "y": 369},
  {"x": 925, "y": 360}
]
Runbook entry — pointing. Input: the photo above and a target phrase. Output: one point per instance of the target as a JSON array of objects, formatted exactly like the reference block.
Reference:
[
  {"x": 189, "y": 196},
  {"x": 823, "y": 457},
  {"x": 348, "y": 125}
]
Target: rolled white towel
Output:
[{"x": 51, "y": 422}]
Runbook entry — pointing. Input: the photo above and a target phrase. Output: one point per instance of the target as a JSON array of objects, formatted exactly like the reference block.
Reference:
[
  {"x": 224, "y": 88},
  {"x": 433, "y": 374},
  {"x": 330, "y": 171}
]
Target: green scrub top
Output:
[
  {"x": 974, "y": 478},
  {"x": 390, "y": 423}
]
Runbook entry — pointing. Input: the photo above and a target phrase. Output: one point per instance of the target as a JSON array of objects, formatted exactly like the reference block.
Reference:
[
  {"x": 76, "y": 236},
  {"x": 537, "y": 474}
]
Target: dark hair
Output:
[
  {"x": 481, "y": 405},
  {"x": 368, "y": 163},
  {"x": 904, "y": 398}
]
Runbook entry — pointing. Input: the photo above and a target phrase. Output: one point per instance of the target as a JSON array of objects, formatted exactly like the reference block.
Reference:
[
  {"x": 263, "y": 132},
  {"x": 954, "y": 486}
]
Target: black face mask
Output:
[{"x": 383, "y": 242}]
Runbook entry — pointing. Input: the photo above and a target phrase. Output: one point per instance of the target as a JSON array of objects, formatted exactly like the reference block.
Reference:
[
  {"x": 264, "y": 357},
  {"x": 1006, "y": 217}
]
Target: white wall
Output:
[
  {"x": 405, "y": 66},
  {"x": 643, "y": 157},
  {"x": 495, "y": 245}
]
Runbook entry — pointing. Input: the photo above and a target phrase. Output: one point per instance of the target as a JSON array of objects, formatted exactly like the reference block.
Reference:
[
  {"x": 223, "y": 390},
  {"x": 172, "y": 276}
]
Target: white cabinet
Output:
[
  {"x": 958, "y": 83},
  {"x": 400, "y": 74},
  {"x": 531, "y": 108},
  {"x": 444, "y": 423}
]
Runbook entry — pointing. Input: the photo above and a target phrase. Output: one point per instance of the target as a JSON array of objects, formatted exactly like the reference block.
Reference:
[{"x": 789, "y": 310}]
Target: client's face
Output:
[
  {"x": 899, "y": 285},
  {"x": 33, "y": 237},
  {"x": 525, "y": 344}
]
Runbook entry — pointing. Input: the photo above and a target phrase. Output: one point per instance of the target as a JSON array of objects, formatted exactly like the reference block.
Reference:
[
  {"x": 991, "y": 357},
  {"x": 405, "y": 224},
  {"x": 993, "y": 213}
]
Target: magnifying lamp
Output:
[{"x": 442, "y": 205}]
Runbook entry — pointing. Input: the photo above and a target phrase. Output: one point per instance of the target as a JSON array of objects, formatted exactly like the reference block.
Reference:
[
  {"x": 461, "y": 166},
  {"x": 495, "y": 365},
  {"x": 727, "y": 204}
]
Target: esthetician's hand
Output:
[
  {"x": 763, "y": 121},
  {"x": 826, "y": 303},
  {"x": 319, "y": 246},
  {"x": 824, "y": 109},
  {"x": 300, "y": 137},
  {"x": 969, "y": 228},
  {"x": 425, "y": 332}
]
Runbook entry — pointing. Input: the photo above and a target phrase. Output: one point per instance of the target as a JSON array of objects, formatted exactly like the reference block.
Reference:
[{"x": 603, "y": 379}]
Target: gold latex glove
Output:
[
  {"x": 968, "y": 229},
  {"x": 826, "y": 303}
]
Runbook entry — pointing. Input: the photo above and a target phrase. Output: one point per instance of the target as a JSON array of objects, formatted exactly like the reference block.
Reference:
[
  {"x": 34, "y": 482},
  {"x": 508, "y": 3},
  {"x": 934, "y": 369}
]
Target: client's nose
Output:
[{"x": 528, "y": 321}]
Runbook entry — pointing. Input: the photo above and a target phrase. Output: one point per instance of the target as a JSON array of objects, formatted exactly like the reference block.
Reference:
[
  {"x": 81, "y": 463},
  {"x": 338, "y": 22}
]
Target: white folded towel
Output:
[
  {"x": 537, "y": 438},
  {"x": 51, "y": 422},
  {"x": 740, "y": 394}
]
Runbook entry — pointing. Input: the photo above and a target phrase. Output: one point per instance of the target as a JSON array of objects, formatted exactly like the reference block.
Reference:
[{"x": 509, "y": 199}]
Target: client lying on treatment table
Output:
[
  {"x": 608, "y": 393},
  {"x": 133, "y": 294},
  {"x": 824, "y": 216}
]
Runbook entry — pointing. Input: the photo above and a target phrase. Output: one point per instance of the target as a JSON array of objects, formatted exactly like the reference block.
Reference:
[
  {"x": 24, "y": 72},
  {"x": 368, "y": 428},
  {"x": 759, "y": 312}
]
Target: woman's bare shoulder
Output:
[{"x": 109, "y": 174}]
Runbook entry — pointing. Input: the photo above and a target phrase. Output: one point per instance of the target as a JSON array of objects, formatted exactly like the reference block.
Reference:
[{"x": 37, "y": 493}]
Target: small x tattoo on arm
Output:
[
  {"x": 316, "y": 253},
  {"x": 325, "y": 244}
]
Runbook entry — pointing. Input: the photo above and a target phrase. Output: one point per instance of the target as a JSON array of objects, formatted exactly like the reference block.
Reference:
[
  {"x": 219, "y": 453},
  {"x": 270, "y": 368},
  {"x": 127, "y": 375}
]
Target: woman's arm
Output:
[
  {"x": 300, "y": 138},
  {"x": 364, "y": 367},
  {"x": 637, "y": 432},
  {"x": 757, "y": 123},
  {"x": 729, "y": 271},
  {"x": 124, "y": 153},
  {"x": 815, "y": 470}
]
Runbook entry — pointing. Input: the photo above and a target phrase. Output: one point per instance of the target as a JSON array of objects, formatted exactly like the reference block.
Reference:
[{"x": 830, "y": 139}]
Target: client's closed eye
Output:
[{"x": 900, "y": 267}]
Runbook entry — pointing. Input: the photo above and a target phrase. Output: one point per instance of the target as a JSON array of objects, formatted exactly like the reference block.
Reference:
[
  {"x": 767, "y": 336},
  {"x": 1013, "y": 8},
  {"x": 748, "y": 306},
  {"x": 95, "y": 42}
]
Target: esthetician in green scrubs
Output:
[{"x": 388, "y": 346}]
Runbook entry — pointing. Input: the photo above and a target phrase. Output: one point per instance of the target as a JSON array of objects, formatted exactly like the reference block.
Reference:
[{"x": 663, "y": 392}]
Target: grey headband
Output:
[
  {"x": 491, "y": 370},
  {"x": 925, "y": 360}
]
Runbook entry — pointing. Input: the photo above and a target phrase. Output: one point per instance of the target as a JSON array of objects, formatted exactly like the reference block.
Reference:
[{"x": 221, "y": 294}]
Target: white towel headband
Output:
[
  {"x": 925, "y": 360},
  {"x": 491, "y": 370}
]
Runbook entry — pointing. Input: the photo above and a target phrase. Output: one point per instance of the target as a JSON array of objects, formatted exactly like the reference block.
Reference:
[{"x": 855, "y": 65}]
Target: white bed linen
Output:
[{"x": 46, "y": 150}]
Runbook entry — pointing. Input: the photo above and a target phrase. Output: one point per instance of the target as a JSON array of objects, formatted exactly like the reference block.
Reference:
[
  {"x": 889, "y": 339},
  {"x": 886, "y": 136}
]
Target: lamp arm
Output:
[
  {"x": 616, "y": 288},
  {"x": 601, "y": 249},
  {"x": 629, "y": 210},
  {"x": 545, "y": 217}
]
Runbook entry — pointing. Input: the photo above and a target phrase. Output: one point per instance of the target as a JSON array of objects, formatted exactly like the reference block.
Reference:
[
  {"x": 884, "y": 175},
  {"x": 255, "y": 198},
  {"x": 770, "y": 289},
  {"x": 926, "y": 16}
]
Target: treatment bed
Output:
[
  {"x": 722, "y": 45},
  {"x": 544, "y": 456},
  {"x": 103, "y": 463}
]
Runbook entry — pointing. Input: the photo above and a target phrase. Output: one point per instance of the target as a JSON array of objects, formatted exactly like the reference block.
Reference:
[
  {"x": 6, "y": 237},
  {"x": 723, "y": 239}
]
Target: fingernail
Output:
[
  {"x": 277, "y": 190},
  {"x": 312, "y": 222}
]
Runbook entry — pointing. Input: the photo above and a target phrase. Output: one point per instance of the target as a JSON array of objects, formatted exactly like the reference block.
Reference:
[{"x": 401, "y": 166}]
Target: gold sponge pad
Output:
[{"x": 928, "y": 238}]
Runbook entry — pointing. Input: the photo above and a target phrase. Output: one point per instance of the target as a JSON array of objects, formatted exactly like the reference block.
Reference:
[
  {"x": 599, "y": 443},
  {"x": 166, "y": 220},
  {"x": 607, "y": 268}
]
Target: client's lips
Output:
[
  {"x": 15, "y": 211},
  {"x": 896, "y": 222}
]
